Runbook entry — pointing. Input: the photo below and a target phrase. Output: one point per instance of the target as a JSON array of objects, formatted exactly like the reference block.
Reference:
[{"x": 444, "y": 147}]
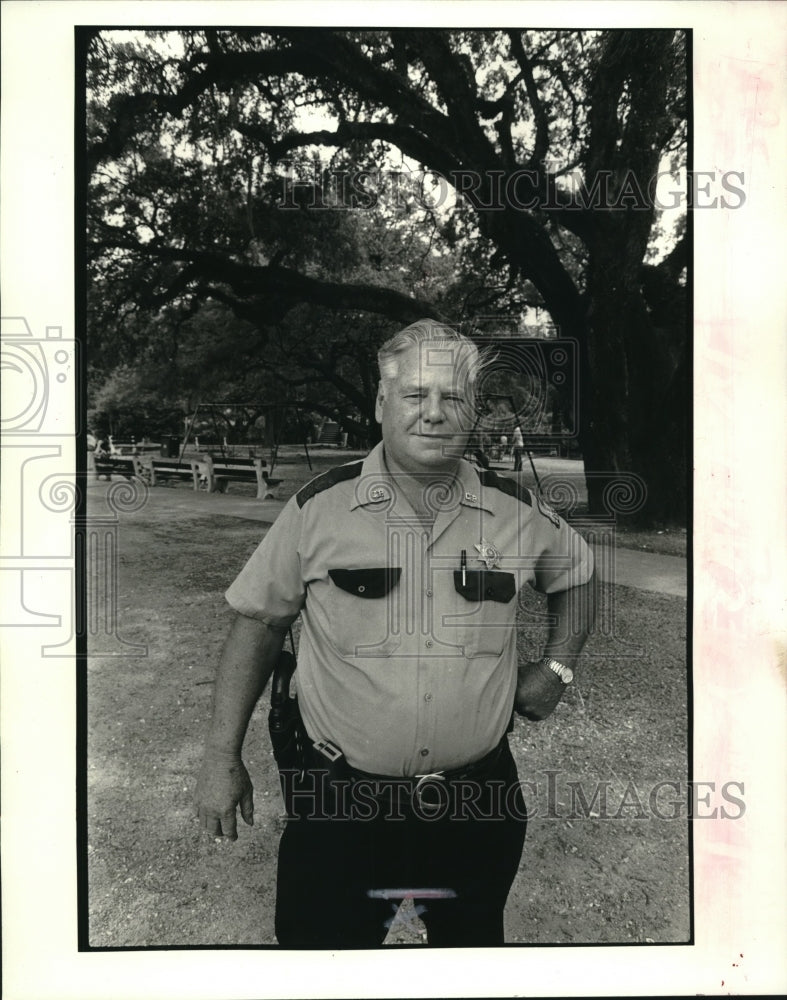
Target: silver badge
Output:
[{"x": 487, "y": 554}]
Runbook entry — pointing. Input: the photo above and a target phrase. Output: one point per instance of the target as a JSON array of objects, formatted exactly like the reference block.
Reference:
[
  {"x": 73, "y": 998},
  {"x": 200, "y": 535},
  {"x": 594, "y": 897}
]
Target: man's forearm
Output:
[
  {"x": 247, "y": 661},
  {"x": 574, "y": 612}
]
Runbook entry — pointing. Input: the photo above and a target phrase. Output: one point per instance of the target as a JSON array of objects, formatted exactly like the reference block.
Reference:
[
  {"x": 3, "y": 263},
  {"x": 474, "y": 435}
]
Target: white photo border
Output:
[{"x": 740, "y": 111}]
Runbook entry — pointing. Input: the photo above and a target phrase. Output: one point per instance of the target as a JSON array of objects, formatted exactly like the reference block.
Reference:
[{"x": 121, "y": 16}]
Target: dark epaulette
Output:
[
  {"x": 328, "y": 479},
  {"x": 509, "y": 486}
]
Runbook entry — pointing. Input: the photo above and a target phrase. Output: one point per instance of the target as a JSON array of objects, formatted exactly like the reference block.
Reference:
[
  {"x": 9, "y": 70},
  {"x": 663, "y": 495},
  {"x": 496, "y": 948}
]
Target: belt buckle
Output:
[{"x": 426, "y": 807}]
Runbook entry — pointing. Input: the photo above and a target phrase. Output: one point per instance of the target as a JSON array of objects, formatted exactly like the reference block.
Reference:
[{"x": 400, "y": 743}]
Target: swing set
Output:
[{"x": 277, "y": 412}]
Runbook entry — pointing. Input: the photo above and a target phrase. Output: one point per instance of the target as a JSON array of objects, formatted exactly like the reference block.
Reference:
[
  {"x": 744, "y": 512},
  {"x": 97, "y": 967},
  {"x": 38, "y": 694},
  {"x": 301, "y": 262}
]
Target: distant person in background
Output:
[
  {"x": 518, "y": 443},
  {"x": 503, "y": 445},
  {"x": 101, "y": 451}
]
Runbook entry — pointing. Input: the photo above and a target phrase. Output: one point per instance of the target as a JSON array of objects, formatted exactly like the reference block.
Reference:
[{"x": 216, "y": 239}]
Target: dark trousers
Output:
[{"x": 345, "y": 867}]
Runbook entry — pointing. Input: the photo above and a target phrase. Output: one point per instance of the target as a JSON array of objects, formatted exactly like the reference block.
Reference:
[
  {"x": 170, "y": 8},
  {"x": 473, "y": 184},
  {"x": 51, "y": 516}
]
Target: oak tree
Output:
[{"x": 297, "y": 177}]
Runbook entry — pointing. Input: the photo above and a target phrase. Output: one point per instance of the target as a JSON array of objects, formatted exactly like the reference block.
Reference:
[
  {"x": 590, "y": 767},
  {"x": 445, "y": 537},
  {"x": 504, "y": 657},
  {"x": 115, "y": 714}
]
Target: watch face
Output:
[{"x": 566, "y": 674}]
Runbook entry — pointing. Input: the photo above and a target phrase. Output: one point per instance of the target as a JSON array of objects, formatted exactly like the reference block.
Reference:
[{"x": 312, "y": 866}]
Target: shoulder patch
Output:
[
  {"x": 328, "y": 479},
  {"x": 508, "y": 486}
]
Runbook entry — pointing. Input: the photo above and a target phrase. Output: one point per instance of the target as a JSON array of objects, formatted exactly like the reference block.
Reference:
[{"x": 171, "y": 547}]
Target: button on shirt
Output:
[{"x": 404, "y": 664}]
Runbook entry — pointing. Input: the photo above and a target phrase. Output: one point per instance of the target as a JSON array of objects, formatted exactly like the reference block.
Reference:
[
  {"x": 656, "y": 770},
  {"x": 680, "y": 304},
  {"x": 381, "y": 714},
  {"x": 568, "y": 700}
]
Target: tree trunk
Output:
[
  {"x": 637, "y": 385},
  {"x": 638, "y": 401}
]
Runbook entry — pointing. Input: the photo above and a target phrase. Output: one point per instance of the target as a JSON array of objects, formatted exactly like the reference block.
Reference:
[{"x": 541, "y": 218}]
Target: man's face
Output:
[{"x": 426, "y": 412}]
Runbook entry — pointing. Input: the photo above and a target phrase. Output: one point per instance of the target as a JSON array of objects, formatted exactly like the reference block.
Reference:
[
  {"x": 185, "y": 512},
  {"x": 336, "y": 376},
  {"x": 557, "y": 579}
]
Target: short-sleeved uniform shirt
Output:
[{"x": 405, "y": 662}]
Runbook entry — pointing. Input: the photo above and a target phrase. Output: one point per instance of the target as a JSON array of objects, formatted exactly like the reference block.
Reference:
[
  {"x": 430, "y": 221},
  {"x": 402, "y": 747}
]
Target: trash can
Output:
[{"x": 170, "y": 447}]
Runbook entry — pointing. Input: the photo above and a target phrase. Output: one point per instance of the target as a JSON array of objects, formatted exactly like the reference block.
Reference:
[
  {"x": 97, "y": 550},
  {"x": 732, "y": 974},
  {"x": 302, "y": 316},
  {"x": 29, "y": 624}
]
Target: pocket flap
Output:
[
  {"x": 485, "y": 585},
  {"x": 367, "y": 583}
]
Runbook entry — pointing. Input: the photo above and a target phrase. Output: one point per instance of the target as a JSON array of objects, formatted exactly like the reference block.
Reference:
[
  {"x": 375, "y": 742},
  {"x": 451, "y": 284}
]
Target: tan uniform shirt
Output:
[{"x": 403, "y": 663}]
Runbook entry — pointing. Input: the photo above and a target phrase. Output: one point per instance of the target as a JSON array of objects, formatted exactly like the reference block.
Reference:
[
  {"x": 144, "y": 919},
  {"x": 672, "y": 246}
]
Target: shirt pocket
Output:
[
  {"x": 360, "y": 610},
  {"x": 485, "y": 611}
]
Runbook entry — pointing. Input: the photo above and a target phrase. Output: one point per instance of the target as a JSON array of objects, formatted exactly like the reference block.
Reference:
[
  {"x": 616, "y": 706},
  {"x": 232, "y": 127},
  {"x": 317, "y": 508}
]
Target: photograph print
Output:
[{"x": 387, "y": 341}]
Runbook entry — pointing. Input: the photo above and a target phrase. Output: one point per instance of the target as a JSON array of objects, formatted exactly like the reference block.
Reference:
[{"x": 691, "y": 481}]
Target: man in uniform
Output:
[{"x": 405, "y": 567}]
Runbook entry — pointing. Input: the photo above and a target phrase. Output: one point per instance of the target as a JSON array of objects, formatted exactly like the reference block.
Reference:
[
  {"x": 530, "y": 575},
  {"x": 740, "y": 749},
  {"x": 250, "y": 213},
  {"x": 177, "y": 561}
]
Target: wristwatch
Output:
[{"x": 566, "y": 674}]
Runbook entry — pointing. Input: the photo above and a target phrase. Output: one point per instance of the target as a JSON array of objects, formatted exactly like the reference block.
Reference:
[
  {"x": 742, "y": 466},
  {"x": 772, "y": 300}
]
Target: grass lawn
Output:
[{"x": 614, "y": 874}]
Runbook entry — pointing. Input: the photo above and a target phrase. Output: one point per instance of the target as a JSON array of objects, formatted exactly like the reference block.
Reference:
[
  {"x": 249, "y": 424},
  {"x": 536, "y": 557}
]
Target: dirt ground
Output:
[{"x": 588, "y": 874}]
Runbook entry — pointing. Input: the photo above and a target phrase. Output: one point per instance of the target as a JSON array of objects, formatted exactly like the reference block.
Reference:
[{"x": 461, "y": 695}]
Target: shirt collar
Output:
[{"x": 373, "y": 487}]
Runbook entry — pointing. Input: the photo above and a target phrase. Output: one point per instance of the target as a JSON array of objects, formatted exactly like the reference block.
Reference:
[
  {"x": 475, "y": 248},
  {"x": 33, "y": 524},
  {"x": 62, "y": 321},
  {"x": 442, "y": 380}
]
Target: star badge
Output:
[{"x": 487, "y": 554}]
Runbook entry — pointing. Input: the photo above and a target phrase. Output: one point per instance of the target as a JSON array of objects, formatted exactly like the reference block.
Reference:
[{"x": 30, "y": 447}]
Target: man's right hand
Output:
[{"x": 223, "y": 784}]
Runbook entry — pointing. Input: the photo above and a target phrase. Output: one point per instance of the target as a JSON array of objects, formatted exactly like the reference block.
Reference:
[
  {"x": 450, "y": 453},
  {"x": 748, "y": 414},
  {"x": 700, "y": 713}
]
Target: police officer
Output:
[{"x": 405, "y": 568}]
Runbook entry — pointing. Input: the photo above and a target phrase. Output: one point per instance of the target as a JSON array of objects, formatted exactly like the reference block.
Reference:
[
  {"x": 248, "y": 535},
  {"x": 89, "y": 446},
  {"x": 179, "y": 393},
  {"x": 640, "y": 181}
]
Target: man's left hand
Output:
[{"x": 538, "y": 690}]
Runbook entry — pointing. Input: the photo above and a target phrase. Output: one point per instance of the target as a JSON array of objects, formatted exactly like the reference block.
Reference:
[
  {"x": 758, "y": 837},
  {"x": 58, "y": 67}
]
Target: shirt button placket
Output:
[{"x": 424, "y": 666}]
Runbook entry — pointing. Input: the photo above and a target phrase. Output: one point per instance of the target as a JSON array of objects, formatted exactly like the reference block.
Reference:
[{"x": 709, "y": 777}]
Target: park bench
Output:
[
  {"x": 220, "y": 470},
  {"x": 559, "y": 447},
  {"x": 109, "y": 465},
  {"x": 547, "y": 448},
  {"x": 145, "y": 448},
  {"x": 125, "y": 448},
  {"x": 162, "y": 469}
]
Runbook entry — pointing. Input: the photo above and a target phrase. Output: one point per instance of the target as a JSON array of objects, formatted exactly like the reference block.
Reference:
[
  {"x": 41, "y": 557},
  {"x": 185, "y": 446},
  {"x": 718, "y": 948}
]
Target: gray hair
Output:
[{"x": 420, "y": 332}]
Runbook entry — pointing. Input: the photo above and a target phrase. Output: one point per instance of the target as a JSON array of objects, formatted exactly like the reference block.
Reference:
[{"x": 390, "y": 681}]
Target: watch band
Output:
[{"x": 566, "y": 674}]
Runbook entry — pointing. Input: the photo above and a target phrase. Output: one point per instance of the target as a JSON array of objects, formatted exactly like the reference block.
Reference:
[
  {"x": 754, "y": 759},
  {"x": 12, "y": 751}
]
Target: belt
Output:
[
  {"x": 416, "y": 786},
  {"x": 474, "y": 770}
]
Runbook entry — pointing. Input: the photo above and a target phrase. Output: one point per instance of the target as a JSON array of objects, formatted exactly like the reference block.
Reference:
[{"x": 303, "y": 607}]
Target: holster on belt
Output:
[{"x": 285, "y": 725}]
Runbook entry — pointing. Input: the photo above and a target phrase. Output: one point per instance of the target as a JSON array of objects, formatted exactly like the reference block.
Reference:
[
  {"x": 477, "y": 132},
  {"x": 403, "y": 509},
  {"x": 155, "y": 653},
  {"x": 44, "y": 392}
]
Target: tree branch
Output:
[
  {"x": 335, "y": 57},
  {"x": 410, "y": 141},
  {"x": 539, "y": 114},
  {"x": 488, "y": 109},
  {"x": 454, "y": 77},
  {"x": 558, "y": 71},
  {"x": 280, "y": 286}
]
